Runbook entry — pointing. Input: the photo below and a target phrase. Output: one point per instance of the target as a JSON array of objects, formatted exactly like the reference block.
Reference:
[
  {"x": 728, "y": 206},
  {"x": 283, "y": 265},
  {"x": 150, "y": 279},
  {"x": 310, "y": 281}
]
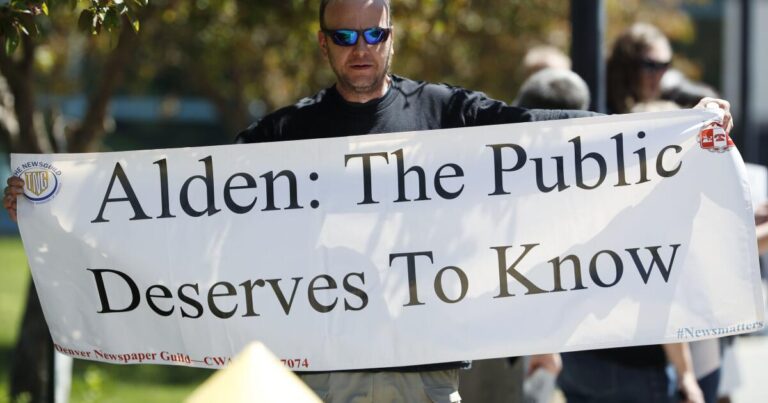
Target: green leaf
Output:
[
  {"x": 27, "y": 25},
  {"x": 6, "y": 25},
  {"x": 111, "y": 19},
  {"x": 72, "y": 4},
  {"x": 12, "y": 39},
  {"x": 100, "y": 14},
  {"x": 135, "y": 24},
  {"x": 44, "y": 7},
  {"x": 22, "y": 29},
  {"x": 86, "y": 21}
]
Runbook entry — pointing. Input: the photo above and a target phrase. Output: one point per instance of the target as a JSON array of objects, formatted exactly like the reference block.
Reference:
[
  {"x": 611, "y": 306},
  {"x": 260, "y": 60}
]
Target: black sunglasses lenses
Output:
[
  {"x": 652, "y": 65},
  {"x": 348, "y": 37}
]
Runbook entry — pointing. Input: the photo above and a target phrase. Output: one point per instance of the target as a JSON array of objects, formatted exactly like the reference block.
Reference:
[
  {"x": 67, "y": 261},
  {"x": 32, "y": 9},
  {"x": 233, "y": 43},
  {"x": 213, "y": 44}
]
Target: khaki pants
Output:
[{"x": 386, "y": 387}]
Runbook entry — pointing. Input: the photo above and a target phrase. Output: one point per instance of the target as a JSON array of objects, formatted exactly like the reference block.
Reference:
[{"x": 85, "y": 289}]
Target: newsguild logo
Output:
[{"x": 42, "y": 180}]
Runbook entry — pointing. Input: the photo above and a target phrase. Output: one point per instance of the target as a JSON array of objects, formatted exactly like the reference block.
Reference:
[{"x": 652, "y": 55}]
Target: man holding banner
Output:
[{"x": 357, "y": 39}]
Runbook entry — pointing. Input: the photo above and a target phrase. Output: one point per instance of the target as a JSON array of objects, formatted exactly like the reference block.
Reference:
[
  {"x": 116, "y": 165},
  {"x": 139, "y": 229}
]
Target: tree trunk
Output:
[
  {"x": 90, "y": 132},
  {"x": 32, "y": 363},
  {"x": 32, "y": 358}
]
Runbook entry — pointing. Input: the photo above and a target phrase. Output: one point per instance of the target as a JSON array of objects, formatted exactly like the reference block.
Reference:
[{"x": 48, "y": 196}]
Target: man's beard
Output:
[{"x": 365, "y": 89}]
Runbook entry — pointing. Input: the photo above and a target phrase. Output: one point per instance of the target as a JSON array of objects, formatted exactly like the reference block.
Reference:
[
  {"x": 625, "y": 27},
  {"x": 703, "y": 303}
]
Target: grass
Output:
[
  {"x": 14, "y": 278},
  {"x": 13, "y": 283},
  {"x": 91, "y": 381}
]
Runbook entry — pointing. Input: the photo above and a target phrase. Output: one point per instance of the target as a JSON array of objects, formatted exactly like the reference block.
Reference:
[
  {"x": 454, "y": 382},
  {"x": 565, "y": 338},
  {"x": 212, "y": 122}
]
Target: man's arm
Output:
[
  {"x": 727, "y": 120},
  {"x": 679, "y": 355},
  {"x": 705, "y": 103},
  {"x": 551, "y": 363},
  {"x": 537, "y": 115},
  {"x": 762, "y": 238}
]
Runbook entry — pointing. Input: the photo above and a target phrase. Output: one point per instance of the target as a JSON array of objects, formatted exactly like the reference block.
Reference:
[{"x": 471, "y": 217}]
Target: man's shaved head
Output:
[{"x": 324, "y": 5}]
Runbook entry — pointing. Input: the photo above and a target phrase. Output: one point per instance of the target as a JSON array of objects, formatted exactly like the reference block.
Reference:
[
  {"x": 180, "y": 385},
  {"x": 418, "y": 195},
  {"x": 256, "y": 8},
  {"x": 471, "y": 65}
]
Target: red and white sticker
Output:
[{"x": 715, "y": 139}]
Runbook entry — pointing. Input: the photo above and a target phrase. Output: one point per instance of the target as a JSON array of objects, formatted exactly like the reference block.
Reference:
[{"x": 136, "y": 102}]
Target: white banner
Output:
[{"x": 396, "y": 249}]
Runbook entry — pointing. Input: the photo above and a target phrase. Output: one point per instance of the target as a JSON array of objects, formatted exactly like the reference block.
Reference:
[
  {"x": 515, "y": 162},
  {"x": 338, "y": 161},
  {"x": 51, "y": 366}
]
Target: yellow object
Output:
[{"x": 255, "y": 375}]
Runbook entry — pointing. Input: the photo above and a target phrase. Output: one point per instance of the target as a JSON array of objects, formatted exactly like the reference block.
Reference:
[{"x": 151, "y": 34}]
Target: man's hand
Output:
[
  {"x": 548, "y": 362},
  {"x": 679, "y": 355},
  {"x": 14, "y": 189},
  {"x": 727, "y": 121},
  {"x": 689, "y": 388},
  {"x": 761, "y": 213}
]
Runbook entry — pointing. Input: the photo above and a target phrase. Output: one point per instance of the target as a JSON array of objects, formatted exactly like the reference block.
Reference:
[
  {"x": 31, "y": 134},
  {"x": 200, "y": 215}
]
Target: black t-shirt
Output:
[
  {"x": 407, "y": 106},
  {"x": 637, "y": 356}
]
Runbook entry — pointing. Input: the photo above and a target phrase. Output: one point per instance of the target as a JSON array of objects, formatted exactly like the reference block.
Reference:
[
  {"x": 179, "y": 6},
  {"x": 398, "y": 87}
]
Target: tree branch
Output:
[
  {"x": 87, "y": 136},
  {"x": 9, "y": 125},
  {"x": 20, "y": 78}
]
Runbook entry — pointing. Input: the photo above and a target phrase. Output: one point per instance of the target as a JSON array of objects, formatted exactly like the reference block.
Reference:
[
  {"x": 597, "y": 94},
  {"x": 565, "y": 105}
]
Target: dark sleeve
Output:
[
  {"x": 538, "y": 115},
  {"x": 471, "y": 108},
  {"x": 259, "y": 132},
  {"x": 477, "y": 109},
  {"x": 248, "y": 135}
]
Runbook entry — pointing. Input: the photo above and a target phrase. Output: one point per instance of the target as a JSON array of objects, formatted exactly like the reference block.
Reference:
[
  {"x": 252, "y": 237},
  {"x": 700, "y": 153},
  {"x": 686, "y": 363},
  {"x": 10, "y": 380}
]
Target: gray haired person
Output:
[{"x": 554, "y": 88}]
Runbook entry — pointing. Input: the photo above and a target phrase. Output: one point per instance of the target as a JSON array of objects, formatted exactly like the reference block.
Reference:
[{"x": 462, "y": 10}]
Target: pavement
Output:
[
  {"x": 749, "y": 383},
  {"x": 751, "y": 355}
]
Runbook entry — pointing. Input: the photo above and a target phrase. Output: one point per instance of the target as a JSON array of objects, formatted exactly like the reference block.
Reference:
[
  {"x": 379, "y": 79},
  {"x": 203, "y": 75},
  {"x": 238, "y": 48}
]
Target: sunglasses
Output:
[
  {"x": 652, "y": 65},
  {"x": 348, "y": 37}
]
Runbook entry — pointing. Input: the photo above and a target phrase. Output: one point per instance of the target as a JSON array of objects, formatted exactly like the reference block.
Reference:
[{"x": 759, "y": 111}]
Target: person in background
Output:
[
  {"x": 549, "y": 88},
  {"x": 705, "y": 354},
  {"x": 640, "y": 57},
  {"x": 544, "y": 56},
  {"x": 679, "y": 89},
  {"x": 554, "y": 88},
  {"x": 761, "y": 227},
  {"x": 529, "y": 379}
]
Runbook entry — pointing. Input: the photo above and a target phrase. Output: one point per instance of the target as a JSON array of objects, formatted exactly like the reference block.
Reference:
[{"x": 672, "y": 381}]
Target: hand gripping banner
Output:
[{"x": 396, "y": 249}]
